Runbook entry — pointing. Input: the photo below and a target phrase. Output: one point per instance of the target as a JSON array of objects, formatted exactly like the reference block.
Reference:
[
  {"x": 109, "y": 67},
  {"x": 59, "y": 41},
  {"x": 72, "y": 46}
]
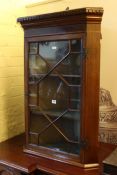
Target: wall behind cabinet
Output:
[{"x": 11, "y": 69}]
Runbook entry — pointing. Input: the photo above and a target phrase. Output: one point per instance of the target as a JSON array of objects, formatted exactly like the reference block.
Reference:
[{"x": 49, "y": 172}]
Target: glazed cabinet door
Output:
[{"x": 54, "y": 88}]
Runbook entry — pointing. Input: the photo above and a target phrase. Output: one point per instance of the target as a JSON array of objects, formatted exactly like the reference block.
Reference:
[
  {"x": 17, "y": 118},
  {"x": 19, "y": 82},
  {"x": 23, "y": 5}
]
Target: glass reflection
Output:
[
  {"x": 53, "y": 51},
  {"x": 33, "y": 49},
  {"x": 37, "y": 65},
  {"x": 76, "y": 45},
  {"x": 54, "y": 94},
  {"x": 71, "y": 65}
]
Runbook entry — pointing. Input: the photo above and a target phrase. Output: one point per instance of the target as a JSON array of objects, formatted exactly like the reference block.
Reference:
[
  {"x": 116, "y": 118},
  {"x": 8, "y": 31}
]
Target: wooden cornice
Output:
[{"x": 83, "y": 14}]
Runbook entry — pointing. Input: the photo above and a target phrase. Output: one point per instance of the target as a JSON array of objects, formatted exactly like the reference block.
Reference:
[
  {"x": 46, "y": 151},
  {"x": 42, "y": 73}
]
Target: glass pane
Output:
[
  {"x": 74, "y": 104},
  {"x": 33, "y": 49},
  {"x": 37, "y": 122},
  {"x": 33, "y": 138},
  {"x": 50, "y": 53},
  {"x": 73, "y": 80},
  {"x": 53, "y": 94},
  {"x": 43, "y": 134},
  {"x": 75, "y": 92},
  {"x": 32, "y": 95},
  {"x": 57, "y": 142},
  {"x": 69, "y": 125},
  {"x": 71, "y": 65},
  {"x": 32, "y": 89},
  {"x": 37, "y": 65},
  {"x": 48, "y": 139},
  {"x": 76, "y": 45},
  {"x": 75, "y": 98},
  {"x": 32, "y": 100},
  {"x": 55, "y": 71},
  {"x": 53, "y": 51}
]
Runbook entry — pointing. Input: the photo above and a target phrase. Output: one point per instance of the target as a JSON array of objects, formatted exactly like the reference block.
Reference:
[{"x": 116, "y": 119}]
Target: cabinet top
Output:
[{"x": 83, "y": 14}]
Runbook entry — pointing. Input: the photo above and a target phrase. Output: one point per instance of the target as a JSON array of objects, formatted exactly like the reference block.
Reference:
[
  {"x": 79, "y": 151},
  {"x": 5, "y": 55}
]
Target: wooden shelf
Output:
[
  {"x": 56, "y": 75},
  {"x": 76, "y": 114}
]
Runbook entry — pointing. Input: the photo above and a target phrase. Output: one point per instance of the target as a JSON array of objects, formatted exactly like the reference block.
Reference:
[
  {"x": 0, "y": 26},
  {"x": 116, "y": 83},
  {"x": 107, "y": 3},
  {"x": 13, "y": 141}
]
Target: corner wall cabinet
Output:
[{"x": 62, "y": 65}]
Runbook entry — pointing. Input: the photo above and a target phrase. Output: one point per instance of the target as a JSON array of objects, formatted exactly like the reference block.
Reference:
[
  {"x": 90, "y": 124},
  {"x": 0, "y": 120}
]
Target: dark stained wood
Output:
[
  {"x": 6, "y": 170},
  {"x": 63, "y": 18},
  {"x": 82, "y": 11},
  {"x": 82, "y": 23},
  {"x": 11, "y": 155},
  {"x": 13, "y": 159},
  {"x": 90, "y": 106},
  {"x": 60, "y": 30}
]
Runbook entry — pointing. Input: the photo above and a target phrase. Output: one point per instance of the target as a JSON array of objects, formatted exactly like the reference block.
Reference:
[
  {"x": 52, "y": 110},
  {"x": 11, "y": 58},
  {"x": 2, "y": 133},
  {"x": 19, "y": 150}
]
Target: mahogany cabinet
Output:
[{"x": 62, "y": 67}]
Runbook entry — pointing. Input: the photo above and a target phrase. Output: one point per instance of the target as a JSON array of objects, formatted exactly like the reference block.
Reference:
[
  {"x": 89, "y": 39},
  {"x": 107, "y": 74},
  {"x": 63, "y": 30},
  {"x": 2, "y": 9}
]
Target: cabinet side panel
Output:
[{"x": 90, "y": 103}]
